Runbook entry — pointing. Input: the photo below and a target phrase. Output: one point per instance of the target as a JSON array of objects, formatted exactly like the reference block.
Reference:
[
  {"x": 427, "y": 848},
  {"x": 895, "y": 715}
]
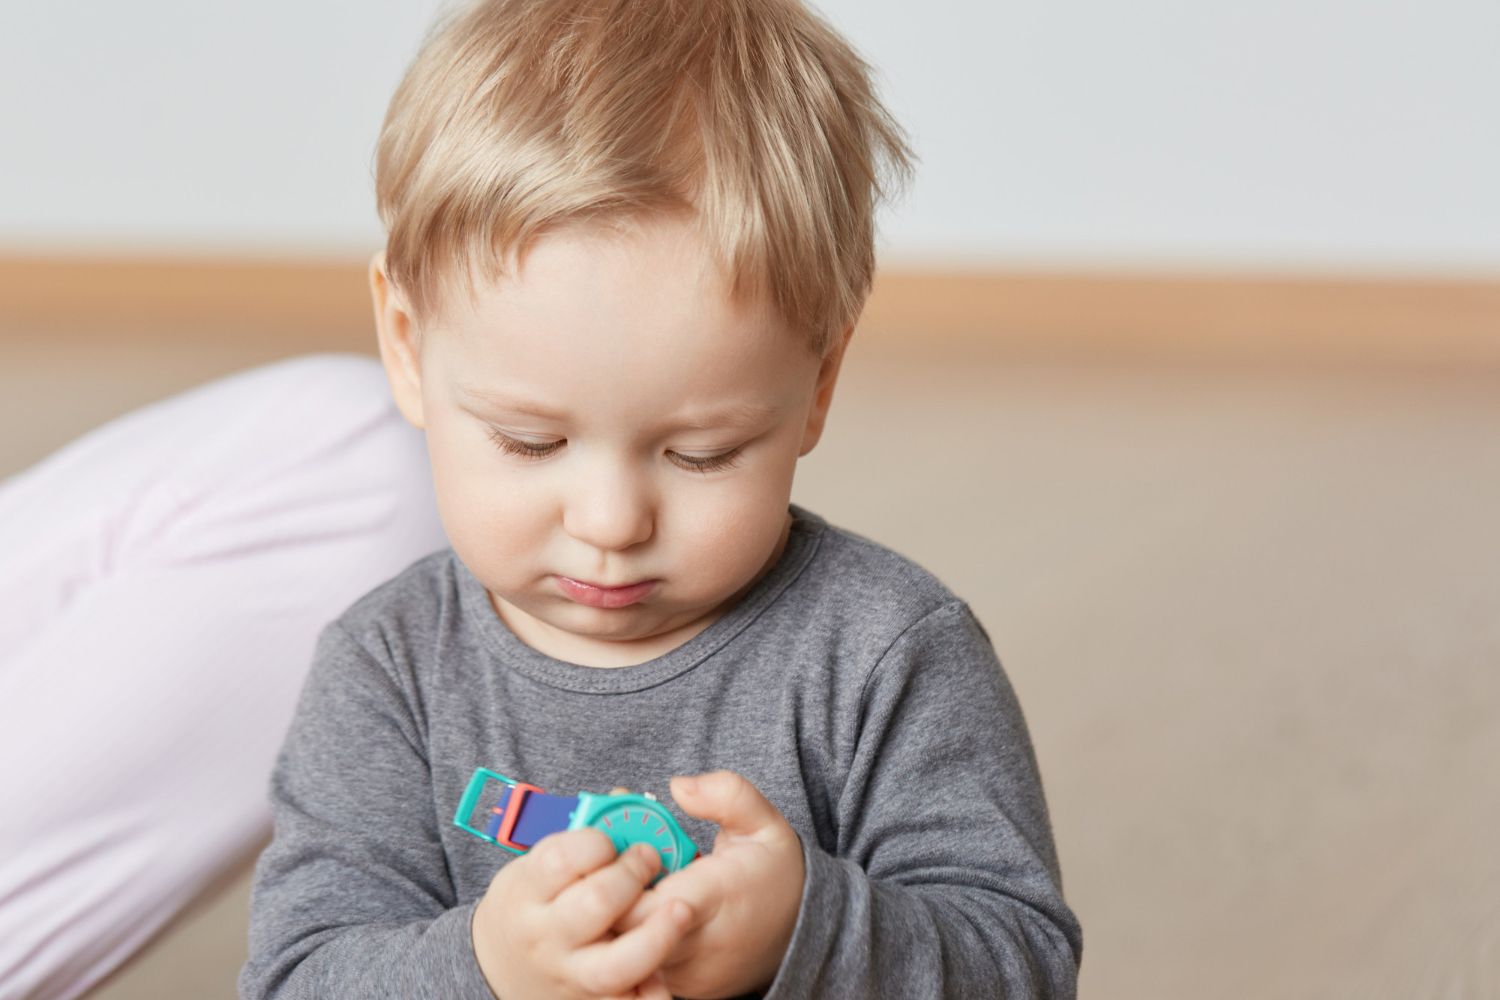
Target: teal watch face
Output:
[{"x": 635, "y": 819}]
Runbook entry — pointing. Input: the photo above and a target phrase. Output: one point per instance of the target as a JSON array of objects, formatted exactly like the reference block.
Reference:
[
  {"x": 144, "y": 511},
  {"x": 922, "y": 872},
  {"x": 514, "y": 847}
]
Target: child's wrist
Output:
[{"x": 481, "y": 942}]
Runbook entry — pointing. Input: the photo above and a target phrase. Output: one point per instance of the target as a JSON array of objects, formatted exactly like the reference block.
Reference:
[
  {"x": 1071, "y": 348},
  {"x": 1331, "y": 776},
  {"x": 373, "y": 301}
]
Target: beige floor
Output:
[{"x": 1254, "y": 618}]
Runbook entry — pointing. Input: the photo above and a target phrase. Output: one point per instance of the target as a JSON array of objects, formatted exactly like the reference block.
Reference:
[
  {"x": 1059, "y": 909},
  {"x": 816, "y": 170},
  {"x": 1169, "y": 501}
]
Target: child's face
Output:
[{"x": 612, "y": 437}]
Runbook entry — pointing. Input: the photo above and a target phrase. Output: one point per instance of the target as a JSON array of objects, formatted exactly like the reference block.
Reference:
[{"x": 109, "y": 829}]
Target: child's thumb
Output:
[{"x": 727, "y": 799}]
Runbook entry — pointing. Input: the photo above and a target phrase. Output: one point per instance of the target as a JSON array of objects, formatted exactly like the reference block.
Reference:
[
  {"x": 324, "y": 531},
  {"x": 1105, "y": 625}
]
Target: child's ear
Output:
[
  {"x": 398, "y": 344},
  {"x": 828, "y": 376}
]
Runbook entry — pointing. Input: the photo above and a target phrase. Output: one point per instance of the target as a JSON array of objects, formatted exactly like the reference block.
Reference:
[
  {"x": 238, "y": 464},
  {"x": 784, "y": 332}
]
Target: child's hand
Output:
[
  {"x": 745, "y": 895},
  {"x": 543, "y": 929}
]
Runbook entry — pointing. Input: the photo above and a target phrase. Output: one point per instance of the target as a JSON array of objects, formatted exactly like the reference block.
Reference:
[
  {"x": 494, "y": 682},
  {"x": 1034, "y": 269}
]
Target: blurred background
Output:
[{"x": 1183, "y": 368}]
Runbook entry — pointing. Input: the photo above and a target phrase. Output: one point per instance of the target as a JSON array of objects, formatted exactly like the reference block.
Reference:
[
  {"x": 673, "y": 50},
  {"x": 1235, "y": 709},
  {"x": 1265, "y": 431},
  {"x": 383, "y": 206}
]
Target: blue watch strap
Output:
[
  {"x": 510, "y": 813},
  {"x": 540, "y": 814}
]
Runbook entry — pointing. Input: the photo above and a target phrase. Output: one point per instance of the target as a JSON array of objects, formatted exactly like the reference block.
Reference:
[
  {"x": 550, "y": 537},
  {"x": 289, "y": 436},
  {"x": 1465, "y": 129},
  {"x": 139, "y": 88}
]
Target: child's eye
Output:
[
  {"x": 523, "y": 448},
  {"x": 706, "y": 463}
]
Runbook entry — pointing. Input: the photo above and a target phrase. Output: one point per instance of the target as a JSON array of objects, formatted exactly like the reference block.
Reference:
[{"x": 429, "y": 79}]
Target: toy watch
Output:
[{"x": 515, "y": 815}]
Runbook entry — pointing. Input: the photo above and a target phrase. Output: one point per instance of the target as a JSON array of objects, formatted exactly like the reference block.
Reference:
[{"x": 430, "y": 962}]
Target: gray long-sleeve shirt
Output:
[{"x": 856, "y": 692}]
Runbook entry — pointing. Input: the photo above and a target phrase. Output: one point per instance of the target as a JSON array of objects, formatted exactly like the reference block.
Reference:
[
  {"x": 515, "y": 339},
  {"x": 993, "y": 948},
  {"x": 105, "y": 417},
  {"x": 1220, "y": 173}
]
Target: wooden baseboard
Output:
[
  {"x": 1201, "y": 317},
  {"x": 325, "y": 306}
]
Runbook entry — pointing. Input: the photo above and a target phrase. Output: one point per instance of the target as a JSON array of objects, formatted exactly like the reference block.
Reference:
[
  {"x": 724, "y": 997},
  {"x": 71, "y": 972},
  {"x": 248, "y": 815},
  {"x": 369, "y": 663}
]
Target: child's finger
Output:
[
  {"x": 591, "y": 906},
  {"x": 616, "y": 967},
  {"x": 559, "y": 860},
  {"x": 640, "y": 911},
  {"x": 654, "y": 988},
  {"x": 727, "y": 799},
  {"x": 700, "y": 885}
]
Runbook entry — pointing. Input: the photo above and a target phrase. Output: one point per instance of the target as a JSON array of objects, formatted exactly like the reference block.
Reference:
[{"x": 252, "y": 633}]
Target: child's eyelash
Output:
[
  {"x": 706, "y": 463},
  {"x": 525, "y": 449},
  {"x": 541, "y": 449}
]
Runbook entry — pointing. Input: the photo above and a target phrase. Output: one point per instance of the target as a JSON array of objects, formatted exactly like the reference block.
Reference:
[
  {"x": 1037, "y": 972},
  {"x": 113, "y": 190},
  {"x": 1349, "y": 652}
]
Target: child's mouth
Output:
[{"x": 604, "y": 597}]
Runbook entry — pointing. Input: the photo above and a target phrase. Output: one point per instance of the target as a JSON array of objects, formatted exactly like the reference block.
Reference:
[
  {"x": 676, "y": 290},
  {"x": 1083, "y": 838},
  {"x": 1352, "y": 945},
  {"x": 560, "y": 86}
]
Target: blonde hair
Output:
[{"x": 755, "y": 116}]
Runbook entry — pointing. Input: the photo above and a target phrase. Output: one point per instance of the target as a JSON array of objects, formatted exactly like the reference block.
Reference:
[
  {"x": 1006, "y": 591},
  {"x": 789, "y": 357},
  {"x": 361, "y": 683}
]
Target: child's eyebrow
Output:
[
  {"x": 733, "y": 415},
  {"x": 502, "y": 402},
  {"x": 706, "y": 418}
]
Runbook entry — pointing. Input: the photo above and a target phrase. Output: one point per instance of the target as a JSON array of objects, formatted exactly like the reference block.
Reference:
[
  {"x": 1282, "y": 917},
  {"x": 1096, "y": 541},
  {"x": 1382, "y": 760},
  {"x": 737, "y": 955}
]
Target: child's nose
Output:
[{"x": 610, "y": 509}]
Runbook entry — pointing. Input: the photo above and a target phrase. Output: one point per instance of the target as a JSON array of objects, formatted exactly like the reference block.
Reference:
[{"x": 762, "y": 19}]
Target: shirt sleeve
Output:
[
  {"x": 353, "y": 897},
  {"x": 945, "y": 881}
]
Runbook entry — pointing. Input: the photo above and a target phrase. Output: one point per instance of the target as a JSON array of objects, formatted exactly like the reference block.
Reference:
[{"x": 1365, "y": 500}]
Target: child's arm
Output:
[
  {"x": 943, "y": 879},
  {"x": 353, "y": 897}
]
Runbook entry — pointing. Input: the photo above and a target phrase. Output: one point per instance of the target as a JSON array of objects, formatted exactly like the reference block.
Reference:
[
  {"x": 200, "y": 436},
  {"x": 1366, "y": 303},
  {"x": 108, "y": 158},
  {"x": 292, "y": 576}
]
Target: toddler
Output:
[{"x": 627, "y": 244}]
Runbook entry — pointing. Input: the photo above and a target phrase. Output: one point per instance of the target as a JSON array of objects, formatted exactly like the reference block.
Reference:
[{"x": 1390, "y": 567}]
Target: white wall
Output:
[
  {"x": 1279, "y": 132},
  {"x": 169, "y": 123},
  {"x": 1324, "y": 132}
]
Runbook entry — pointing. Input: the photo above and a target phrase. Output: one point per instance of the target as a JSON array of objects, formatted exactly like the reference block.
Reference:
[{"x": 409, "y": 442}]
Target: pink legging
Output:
[{"x": 162, "y": 581}]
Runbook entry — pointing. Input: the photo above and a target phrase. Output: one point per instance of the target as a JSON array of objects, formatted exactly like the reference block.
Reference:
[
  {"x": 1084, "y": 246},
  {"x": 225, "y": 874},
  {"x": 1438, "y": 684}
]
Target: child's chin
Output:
[
  {"x": 634, "y": 622},
  {"x": 616, "y": 624}
]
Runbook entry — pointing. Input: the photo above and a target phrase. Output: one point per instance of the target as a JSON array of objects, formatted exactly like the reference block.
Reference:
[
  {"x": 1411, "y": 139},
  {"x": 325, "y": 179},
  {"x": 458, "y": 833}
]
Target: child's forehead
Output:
[
  {"x": 628, "y": 323},
  {"x": 613, "y": 282},
  {"x": 668, "y": 244}
]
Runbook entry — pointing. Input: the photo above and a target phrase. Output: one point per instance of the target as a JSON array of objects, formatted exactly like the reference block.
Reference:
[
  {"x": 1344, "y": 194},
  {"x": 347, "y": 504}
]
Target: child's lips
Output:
[{"x": 604, "y": 597}]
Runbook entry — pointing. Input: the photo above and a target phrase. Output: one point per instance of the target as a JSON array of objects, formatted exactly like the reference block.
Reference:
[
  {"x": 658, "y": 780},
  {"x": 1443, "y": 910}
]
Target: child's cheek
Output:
[
  {"x": 723, "y": 536},
  {"x": 492, "y": 522}
]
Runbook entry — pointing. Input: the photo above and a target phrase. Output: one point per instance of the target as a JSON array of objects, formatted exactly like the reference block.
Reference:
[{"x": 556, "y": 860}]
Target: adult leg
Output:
[{"x": 162, "y": 581}]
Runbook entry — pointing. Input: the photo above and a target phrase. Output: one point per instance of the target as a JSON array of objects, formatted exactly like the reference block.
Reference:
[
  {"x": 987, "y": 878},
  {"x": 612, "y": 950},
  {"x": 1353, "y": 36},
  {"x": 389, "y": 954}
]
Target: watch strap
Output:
[
  {"x": 511, "y": 813},
  {"x": 537, "y": 814}
]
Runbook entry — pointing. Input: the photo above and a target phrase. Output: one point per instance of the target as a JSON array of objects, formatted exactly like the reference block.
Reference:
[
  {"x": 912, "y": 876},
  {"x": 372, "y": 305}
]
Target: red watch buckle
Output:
[{"x": 518, "y": 793}]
